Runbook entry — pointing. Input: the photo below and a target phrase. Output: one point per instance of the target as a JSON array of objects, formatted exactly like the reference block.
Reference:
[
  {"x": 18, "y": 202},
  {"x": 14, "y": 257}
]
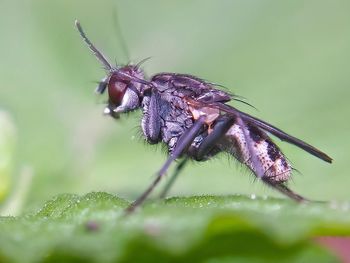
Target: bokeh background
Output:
[{"x": 289, "y": 58}]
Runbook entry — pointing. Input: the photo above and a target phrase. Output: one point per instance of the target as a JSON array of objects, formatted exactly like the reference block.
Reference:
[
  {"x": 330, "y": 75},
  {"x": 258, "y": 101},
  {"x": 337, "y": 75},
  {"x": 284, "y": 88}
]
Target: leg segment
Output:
[
  {"x": 282, "y": 188},
  {"x": 151, "y": 120},
  {"x": 173, "y": 177},
  {"x": 183, "y": 143},
  {"x": 221, "y": 127}
]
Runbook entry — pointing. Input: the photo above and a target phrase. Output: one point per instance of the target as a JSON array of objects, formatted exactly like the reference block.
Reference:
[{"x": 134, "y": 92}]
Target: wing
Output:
[{"x": 273, "y": 130}]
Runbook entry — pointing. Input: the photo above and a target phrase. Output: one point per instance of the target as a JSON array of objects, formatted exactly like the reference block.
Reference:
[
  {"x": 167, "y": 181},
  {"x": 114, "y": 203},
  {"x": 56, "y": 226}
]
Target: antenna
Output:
[{"x": 93, "y": 49}]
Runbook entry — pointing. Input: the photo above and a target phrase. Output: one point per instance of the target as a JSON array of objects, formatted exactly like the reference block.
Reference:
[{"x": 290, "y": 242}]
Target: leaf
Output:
[{"x": 94, "y": 228}]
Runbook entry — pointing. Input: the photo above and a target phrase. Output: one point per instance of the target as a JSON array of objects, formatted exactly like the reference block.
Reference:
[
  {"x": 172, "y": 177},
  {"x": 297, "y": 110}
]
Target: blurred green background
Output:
[{"x": 289, "y": 58}]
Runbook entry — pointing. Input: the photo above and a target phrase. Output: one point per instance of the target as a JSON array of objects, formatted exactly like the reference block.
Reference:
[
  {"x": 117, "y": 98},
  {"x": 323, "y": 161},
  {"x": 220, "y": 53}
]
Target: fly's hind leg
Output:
[{"x": 282, "y": 188}]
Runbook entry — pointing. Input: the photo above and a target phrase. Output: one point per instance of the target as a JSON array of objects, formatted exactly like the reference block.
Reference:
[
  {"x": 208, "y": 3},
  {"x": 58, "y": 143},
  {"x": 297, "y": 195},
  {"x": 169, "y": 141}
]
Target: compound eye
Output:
[{"x": 116, "y": 90}]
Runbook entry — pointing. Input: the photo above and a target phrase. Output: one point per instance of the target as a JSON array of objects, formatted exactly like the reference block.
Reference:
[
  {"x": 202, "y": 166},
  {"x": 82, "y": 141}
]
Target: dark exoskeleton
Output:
[{"x": 191, "y": 116}]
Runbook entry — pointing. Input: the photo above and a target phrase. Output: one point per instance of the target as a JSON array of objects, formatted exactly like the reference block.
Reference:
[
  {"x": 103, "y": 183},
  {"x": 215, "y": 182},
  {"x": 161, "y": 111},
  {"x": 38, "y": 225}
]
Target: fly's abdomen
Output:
[{"x": 260, "y": 153}]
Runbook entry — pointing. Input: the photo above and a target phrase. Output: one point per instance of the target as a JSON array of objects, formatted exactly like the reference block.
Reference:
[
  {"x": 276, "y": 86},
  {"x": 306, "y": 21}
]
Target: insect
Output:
[{"x": 193, "y": 118}]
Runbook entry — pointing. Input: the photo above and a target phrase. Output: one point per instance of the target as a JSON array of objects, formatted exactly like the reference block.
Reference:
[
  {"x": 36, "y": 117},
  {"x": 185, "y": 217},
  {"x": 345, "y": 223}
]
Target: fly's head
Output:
[
  {"x": 125, "y": 89},
  {"x": 125, "y": 85}
]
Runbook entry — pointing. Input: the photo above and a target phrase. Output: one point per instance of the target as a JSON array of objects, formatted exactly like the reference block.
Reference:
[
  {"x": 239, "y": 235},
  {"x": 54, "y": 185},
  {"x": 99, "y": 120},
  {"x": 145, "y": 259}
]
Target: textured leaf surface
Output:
[{"x": 93, "y": 228}]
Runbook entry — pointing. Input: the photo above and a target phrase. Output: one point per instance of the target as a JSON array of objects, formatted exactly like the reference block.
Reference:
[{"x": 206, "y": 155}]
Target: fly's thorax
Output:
[{"x": 175, "y": 123}]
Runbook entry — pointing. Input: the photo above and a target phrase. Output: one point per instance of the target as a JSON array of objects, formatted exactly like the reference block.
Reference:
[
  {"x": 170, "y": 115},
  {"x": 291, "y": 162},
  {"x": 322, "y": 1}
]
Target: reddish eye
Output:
[{"x": 116, "y": 90}]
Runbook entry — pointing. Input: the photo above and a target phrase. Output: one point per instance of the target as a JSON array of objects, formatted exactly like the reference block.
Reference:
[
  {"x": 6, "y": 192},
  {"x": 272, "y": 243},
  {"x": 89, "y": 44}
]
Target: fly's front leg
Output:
[
  {"x": 183, "y": 143},
  {"x": 173, "y": 177},
  {"x": 151, "y": 121}
]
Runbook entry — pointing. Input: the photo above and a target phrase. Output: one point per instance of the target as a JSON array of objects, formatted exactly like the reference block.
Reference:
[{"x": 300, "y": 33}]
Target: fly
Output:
[{"x": 193, "y": 118}]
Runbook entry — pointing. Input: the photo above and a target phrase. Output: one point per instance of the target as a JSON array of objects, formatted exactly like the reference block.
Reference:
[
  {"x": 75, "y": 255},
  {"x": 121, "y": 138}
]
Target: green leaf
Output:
[{"x": 94, "y": 228}]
